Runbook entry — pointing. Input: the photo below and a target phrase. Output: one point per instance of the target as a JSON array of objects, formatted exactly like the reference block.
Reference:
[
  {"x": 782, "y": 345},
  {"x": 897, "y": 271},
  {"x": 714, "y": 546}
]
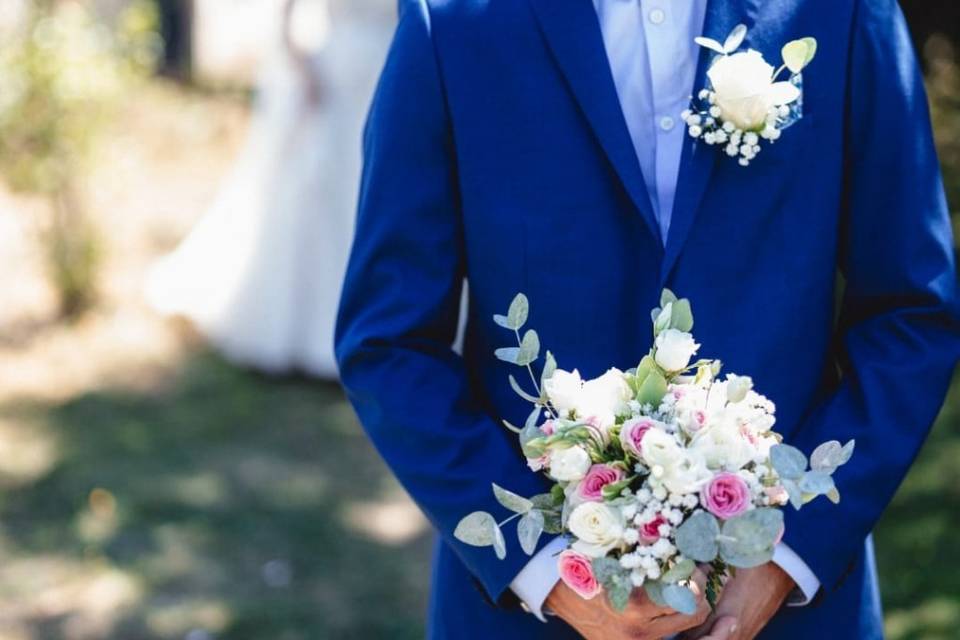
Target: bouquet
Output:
[{"x": 655, "y": 470}]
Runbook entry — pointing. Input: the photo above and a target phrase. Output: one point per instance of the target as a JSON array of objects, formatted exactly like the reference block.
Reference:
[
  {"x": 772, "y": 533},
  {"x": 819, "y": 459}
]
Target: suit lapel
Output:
[
  {"x": 572, "y": 31},
  {"x": 698, "y": 159}
]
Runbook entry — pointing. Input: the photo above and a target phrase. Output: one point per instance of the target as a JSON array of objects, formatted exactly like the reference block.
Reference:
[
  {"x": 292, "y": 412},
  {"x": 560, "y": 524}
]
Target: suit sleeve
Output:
[
  {"x": 399, "y": 310},
  {"x": 898, "y": 327}
]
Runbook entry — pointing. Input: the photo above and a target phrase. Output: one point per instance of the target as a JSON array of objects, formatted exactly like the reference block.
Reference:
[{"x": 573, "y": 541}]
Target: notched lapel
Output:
[
  {"x": 699, "y": 159},
  {"x": 572, "y": 31}
]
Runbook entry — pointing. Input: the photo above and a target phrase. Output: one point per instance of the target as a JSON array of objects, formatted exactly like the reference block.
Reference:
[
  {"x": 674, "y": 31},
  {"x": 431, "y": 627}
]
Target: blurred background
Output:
[{"x": 156, "y": 484}]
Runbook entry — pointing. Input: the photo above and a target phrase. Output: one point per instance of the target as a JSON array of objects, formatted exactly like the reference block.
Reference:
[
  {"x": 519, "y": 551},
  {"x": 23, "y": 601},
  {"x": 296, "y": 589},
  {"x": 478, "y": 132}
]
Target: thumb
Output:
[{"x": 723, "y": 629}]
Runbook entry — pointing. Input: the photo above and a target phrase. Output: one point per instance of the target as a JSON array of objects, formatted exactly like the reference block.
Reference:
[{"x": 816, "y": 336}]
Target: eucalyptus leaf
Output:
[
  {"x": 788, "y": 461},
  {"x": 511, "y": 426},
  {"x": 794, "y": 55},
  {"x": 519, "y": 390},
  {"x": 619, "y": 594},
  {"x": 605, "y": 569},
  {"x": 847, "y": 452},
  {"x": 477, "y": 529},
  {"x": 653, "y": 389},
  {"x": 792, "y": 488},
  {"x": 735, "y": 39},
  {"x": 811, "y": 49},
  {"x": 529, "y": 530},
  {"x": 529, "y": 348},
  {"x": 519, "y": 309},
  {"x": 680, "y": 571},
  {"x": 817, "y": 482},
  {"x": 532, "y": 418},
  {"x": 680, "y": 598},
  {"x": 697, "y": 537},
  {"x": 662, "y": 322},
  {"x": 827, "y": 457},
  {"x": 503, "y": 321},
  {"x": 654, "y": 589},
  {"x": 748, "y": 539},
  {"x": 499, "y": 544},
  {"x": 833, "y": 496},
  {"x": 667, "y": 296},
  {"x": 682, "y": 316},
  {"x": 508, "y": 354},
  {"x": 549, "y": 368},
  {"x": 711, "y": 44},
  {"x": 510, "y": 500}
]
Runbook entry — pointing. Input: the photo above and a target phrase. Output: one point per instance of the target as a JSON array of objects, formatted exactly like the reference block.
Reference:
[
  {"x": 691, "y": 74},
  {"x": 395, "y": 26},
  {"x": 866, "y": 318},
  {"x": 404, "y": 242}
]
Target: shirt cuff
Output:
[
  {"x": 538, "y": 578},
  {"x": 807, "y": 582}
]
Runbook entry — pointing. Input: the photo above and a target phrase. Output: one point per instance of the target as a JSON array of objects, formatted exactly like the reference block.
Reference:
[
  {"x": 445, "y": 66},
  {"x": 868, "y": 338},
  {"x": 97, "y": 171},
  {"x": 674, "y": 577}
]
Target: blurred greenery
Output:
[{"x": 228, "y": 495}]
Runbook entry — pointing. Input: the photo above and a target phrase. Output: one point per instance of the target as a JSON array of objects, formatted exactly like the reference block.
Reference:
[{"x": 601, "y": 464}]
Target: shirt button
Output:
[
  {"x": 666, "y": 123},
  {"x": 657, "y": 16}
]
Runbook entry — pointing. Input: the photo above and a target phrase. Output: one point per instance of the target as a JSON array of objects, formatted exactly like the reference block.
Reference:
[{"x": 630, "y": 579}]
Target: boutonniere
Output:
[{"x": 744, "y": 103}]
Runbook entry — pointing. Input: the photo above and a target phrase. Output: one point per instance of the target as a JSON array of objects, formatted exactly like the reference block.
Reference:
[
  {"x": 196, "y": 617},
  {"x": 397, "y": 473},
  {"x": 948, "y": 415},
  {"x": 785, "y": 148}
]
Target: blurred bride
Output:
[{"x": 260, "y": 273}]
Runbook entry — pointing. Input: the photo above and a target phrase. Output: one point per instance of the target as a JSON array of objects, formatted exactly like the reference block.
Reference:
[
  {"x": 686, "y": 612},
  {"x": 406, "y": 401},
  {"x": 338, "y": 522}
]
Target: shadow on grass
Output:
[{"x": 240, "y": 506}]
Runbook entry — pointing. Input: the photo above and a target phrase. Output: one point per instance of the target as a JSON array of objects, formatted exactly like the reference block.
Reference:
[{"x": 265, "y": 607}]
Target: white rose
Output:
[
  {"x": 724, "y": 446},
  {"x": 604, "y": 397},
  {"x": 687, "y": 475},
  {"x": 563, "y": 389},
  {"x": 745, "y": 90},
  {"x": 570, "y": 464},
  {"x": 660, "y": 449},
  {"x": 598, "y": 528},
  {"x": 674, "y": 349}
]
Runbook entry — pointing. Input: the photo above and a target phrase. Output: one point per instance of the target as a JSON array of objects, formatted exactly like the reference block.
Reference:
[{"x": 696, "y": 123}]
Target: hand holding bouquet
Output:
[{"x": 655, "y": 469}]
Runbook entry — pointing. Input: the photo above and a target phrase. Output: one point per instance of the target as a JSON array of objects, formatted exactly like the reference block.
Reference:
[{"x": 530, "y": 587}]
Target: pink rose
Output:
[
  {"x": 726, "y": 496},
  {"x": 547, "y": 428},
  {"x": 632, "y": 432},
  {"x": 577, "y": 573},
  {"x": 599, "y": 476},
  {"x": 650, "y": 531}
]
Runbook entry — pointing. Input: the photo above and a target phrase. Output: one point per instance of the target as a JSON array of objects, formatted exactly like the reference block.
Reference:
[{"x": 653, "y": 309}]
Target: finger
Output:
[
  {"x": 723, "y": 629},
  {"x": 698, "y": 584}
]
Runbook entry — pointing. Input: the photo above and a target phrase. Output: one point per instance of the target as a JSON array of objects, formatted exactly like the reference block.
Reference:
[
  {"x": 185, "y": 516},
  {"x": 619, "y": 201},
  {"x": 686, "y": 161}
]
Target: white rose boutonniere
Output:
[{"x": 744, "y": 102}]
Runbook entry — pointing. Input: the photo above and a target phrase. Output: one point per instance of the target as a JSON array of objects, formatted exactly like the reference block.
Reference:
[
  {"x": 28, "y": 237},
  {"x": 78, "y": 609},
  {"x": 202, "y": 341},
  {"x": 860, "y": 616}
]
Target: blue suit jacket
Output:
[{"x": 496, "y": 151}]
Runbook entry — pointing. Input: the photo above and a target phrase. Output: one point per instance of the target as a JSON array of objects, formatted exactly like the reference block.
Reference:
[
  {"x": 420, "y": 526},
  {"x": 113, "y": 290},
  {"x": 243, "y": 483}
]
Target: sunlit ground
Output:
[{"x": 148, "y": 490}]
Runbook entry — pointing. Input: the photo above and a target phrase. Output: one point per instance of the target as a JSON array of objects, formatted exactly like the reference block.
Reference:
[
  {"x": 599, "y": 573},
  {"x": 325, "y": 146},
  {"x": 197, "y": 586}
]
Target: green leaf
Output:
[
  {"x": 477, "y": 529},
  {"x": 519, "y": 390},
  {"x": 510, "y": 500},
  {"x": 612, "y": 490},
  {"x": 529, "y": 530},
  {"x": 682, "y": 316},
  {"x": 619, "y": 594},
  {"x": 847, "y": 452},
  {"x": 532, "y": 419},
  {"x": 788, "y": 461},
  {"x": 680, "y": 598},
  {"x": 532, "y": 441},
  {"x": 711, "y": 44},
  {"x": 697, "y": 537},
  {"x": 653, "y": 389},
  {"x": 499, "y": 544},
  {"x": 529, "y": 348},
  {"x": 817, "y": 482},
  {"x": 680, "y": 571},
  {"x": 793, "y": 491},
  {"x": 735, "y": 39},
  {"x": 503, "y": 321},
  {"x": 549, "y": 368},
  {"x": 811, "y": 49},
  {"x": 666, "y": 297},
  {"x": 606, "y": 569},
  {"x": 827, "y": 457},
  {"x": 662, "y": 321},
  {"x": 833, "y": 496},
  {"x": 797, "y": 54},
  {"x": 654, "y": 589},
  {"x": 748, "y": 540},
  {"x": 517, "y": 315},
  {"x": 508, "y": 354}
]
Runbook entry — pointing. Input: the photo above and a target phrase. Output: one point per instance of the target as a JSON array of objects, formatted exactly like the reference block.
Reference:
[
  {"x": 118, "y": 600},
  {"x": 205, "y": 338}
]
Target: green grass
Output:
[{"x": 217, "y": 481}]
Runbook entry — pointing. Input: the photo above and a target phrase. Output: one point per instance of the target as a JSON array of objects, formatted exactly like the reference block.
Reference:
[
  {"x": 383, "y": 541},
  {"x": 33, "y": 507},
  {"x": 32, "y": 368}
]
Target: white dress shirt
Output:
[{"x": 653, "y": 58}]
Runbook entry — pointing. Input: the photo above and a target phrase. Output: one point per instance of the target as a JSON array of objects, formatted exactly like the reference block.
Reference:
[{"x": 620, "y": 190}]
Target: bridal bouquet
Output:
[{"x": 655, "y": 469}]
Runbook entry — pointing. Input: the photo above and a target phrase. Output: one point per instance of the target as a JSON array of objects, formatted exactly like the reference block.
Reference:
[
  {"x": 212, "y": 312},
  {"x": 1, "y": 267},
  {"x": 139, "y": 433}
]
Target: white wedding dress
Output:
[{"x": 260, "y": 273}]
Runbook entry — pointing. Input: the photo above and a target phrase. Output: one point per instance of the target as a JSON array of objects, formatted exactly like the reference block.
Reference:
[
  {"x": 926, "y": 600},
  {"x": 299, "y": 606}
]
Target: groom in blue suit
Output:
[{"x": 536, "y": 146}]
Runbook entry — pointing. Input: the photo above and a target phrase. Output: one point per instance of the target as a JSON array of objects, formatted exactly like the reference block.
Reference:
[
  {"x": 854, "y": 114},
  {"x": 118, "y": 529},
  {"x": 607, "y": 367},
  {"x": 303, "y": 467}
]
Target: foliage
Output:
[{"x": 62, "y": 75}]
